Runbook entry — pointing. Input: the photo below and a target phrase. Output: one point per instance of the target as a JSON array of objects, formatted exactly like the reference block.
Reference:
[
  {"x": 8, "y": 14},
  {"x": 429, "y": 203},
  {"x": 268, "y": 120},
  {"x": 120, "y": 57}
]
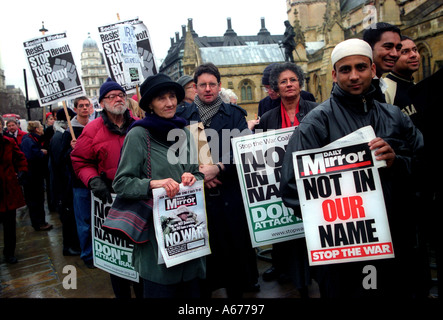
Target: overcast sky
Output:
[{"x": 21, "y": 20}]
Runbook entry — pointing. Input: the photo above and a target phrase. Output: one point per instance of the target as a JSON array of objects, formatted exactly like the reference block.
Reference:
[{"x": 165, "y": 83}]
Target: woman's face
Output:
[
  {"x": 50, "y": 120},
  {"x": 165, "y": 105},
  {"x": 288, "y": 85},
  {"x": 39, "y": 130}
]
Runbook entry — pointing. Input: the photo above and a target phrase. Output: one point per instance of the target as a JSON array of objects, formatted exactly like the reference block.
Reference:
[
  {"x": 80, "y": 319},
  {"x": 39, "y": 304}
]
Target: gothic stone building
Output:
[
  {"x": 321, "y": 24},
  {"x": 240, "y": 59}
]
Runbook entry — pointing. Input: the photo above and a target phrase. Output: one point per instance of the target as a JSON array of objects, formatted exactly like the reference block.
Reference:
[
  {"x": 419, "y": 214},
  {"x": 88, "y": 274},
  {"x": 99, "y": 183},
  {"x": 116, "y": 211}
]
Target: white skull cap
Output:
[{"x": 351, "y": 47}]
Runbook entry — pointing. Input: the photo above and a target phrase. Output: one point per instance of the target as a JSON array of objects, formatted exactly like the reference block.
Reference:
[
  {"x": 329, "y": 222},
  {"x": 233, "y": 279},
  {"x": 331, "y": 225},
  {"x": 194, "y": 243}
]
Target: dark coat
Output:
[
  {"x": 12, "y": 161},
  {"x": 272, "y": 119},
  {"x": 31, "y": 146},
  {"x": 336, "y": 117},
  {"x": 267, "y": 103}
]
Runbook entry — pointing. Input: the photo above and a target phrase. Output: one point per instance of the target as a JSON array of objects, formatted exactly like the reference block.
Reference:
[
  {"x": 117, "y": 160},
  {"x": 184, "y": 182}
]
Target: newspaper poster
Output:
[
  {"x": 111, "y": 254},
  {"x": 130, "y": 59},
  {"x": 180, "y": 224},
  {"x": 342, "y": 202},
  {"x": 258, "y": 159},
  {"x": 114, "y": 59},
  {"x": 53, "y": 69}
]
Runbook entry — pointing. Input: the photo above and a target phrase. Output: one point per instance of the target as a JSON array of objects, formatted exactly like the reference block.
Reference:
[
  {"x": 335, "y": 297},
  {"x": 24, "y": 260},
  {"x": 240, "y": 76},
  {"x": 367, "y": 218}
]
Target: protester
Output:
[
  {"x": 13, "y": 130},
  {"x": 13, "y": 169},
  {"x": 48, "y": 133},
  {"x": 96, "y": 155},
  {"x": 147, "y": 141},
  {"x": 62, "y": 186},
  {"x": 426, "y": 96},
  {"x": 385, "y": 41},
  {"x": 34, "y": 187},
  {"x": 134, "y": 109},
  {"x": 289, "y": 258},
  {"x": 80, "y": 196},
  {"x": 49, "y": 121},
  {"x": 228, "y": 96},
  {"x": 400, "y": 81},
  {"x": 272, "y": 100},
  {"x": 350, "y": 107},
  {"x": 187, "y": 82},
  {"x": 232, "y": 263}
]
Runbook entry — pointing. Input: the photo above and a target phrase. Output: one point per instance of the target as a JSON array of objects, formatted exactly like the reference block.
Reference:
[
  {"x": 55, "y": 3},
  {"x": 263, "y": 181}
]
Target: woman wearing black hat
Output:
[{"x": 146, "y": 145}]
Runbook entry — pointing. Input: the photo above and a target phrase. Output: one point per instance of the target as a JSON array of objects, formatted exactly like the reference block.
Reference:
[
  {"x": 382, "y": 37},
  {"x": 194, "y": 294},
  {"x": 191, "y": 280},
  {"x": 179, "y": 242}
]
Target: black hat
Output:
[
  {"x": 153, "y": 84},
  {"x": 61, "y": 115}
]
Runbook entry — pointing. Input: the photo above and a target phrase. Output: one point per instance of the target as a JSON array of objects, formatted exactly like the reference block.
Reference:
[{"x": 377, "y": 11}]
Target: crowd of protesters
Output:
[{"x": 70, "y": 162}]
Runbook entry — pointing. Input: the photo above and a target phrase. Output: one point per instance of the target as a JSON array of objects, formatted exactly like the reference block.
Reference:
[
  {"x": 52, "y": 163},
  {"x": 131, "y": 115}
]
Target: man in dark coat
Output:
[
  {"x": 232, "y": 263},
  {"x": 427, "y": 97},
  {"x": 351, "y": 106}
]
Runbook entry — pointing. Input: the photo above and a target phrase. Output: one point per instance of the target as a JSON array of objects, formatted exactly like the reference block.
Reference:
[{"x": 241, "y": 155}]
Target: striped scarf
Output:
[{"x": 207, "y": 111}]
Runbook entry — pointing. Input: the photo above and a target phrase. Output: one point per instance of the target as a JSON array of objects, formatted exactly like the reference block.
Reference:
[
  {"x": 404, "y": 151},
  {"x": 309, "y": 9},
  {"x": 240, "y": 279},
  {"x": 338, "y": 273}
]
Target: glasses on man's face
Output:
[
  {"x": 205, "y": 85},
  {"x": 113, "y": 96}
]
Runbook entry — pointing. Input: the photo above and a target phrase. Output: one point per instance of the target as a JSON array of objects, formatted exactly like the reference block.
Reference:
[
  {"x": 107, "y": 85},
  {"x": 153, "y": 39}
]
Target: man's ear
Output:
[{"x": 334, "y": 75}]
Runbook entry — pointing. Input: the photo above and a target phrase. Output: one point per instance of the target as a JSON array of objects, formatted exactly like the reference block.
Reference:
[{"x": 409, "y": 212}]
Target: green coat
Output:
[{"x": 130, "y": 182}]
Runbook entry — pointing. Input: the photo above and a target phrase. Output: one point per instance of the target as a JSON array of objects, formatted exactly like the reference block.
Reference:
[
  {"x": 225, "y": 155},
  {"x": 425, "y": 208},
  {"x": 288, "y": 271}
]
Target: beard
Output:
[{"x": 116, "y": 109}]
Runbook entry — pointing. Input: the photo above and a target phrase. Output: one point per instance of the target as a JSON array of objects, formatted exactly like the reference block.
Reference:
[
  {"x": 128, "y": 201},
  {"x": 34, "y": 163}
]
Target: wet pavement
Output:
[{"x": 43, "y": 271}]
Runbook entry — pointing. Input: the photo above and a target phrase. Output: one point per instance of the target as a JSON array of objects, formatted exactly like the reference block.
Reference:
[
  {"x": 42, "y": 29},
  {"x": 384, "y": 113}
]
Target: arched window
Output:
[
  {"x": 246, "y": 91},
  {"x": 425, "y": 61}
]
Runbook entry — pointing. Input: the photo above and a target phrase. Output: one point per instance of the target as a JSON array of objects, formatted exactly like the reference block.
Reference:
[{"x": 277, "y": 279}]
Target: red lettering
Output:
[{"x": 343, "y": 208}]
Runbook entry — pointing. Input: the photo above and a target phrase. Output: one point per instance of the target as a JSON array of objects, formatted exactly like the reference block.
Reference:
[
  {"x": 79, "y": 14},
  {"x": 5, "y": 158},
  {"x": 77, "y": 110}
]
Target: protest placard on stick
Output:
[
  {"x": 123, "y": 65},
  {"x": 53, "y": 69}
]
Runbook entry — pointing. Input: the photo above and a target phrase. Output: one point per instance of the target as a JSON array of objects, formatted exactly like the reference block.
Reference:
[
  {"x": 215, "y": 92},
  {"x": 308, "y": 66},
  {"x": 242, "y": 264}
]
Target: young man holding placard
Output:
[{"x": 351, "y": 107}]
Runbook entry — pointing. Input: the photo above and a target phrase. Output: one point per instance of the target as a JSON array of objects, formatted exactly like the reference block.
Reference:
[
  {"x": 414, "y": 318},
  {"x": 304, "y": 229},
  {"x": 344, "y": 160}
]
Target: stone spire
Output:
[{"x": 191, "y": 52}]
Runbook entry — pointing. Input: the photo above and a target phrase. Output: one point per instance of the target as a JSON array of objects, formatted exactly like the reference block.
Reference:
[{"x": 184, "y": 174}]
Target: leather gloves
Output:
[{"x": 100, "y": 189}]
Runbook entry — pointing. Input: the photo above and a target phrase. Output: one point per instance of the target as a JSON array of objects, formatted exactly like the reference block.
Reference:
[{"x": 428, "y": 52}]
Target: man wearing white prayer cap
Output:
[{"x": 351, "y": 106}]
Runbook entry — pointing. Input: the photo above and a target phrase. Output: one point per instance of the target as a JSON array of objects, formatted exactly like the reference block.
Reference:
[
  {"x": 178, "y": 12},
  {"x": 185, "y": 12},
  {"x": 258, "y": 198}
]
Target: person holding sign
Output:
[
  {"x": 148, "y": 139},
  {"x": 96, "y": 154},
  {"x": 352, "y": 106},
  {"x": 288, "y": 258}
]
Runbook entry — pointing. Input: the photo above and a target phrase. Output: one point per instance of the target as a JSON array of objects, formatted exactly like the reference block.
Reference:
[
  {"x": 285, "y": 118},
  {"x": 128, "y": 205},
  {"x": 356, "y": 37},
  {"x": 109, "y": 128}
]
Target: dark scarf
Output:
[{"x": 207, "y": 111}]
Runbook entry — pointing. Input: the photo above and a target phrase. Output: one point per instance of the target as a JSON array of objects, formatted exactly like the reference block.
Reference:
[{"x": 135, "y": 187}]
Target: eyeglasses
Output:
[
  {"x": 204, "y": 85},
  {"x": 113, "y": 96},
  {"x": 285, "y": 82}
]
